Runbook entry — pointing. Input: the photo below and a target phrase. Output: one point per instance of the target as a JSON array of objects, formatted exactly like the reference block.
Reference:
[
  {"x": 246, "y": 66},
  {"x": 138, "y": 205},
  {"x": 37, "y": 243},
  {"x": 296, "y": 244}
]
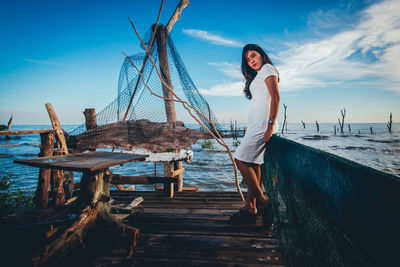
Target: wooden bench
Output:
[{"x": 168, "y": 181}]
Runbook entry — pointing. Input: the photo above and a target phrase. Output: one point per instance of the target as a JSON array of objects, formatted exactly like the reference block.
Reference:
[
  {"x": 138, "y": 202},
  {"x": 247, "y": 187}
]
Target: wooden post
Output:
[
  {"x": 179, "y": 185},
  {"x": 57, "y": 184},
  {"x": 59, "y": 180},
  {"x": 161, "y": 37},
  {"x": 177, "y": 14},
  {"x": 42, "y": 191},
  {"x": 95, "y": 190},
  {"x": 9, "y": 126},
  {"x": 61, "y": 143},
  {"x": 168, "y": 187},
  {"x": 11, "y": 118},
  {"x": 90, "y": 118}
]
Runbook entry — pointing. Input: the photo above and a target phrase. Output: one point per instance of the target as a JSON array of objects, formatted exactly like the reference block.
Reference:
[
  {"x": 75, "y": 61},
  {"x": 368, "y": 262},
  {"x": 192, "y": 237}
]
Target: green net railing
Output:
[{"x": 330, "y": 211}]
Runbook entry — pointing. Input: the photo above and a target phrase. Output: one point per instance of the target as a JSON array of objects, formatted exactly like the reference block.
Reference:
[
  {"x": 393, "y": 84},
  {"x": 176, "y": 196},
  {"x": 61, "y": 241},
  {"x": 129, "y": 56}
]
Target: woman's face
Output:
[{"x": 254, "y": 60}]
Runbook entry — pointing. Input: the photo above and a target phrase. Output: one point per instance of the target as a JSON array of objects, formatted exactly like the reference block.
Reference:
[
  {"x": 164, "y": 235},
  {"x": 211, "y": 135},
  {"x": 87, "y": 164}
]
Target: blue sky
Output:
[{"x": 330, "y": 55}]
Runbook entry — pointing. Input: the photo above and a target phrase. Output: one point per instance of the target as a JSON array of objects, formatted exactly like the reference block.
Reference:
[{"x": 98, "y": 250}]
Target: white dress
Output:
[{"x": 252, "y": 147}]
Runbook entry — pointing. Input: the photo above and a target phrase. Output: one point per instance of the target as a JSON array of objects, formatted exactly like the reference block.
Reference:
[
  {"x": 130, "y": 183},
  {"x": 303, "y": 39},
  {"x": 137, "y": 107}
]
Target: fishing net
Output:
[
  {"x": 145, "y": 105},
  {"x": 330, "y": 211}
]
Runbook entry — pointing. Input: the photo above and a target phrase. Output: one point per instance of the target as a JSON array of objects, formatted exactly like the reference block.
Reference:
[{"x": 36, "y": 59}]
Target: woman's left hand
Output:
[{"x": 268, "y": 134}]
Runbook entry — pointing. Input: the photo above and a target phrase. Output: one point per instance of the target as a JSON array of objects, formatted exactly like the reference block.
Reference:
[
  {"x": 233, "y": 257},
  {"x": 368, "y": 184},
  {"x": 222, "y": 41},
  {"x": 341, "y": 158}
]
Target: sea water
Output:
[{"x": 211, "y": 168}]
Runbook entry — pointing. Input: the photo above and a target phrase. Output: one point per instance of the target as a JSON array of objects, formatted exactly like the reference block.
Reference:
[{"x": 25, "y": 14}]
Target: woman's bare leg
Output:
[{"x": 252, "y": 175}]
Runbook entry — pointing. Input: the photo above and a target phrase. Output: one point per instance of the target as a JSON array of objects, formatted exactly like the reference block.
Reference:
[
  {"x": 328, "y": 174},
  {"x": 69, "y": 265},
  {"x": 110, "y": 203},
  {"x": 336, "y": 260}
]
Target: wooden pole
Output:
[
  {"x": 179, "y": 185},
  {"x": 61, "y": 143},
  {"x": 161, "y": 37},
  {"x": 90, "y": 118},
  {"x": 168, "y": 187},
  {"x": 144, "y": 61},
  {"x": 9, "y": 123},
  {"x": 57, "y": 184},
  {"x": 42, "y": 190},
  {"x": 58, "y": 179},
  {"x": 177, "y": 14}
]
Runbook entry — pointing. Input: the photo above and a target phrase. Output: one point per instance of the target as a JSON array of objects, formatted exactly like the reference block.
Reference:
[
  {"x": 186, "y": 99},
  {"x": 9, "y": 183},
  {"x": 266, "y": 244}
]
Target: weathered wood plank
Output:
[
  {"x": 22, "y": 132},
  {"x": 141, "y": 179},
  {"x": 210, "y": 247},
  {"x": 92, "y": 161}
]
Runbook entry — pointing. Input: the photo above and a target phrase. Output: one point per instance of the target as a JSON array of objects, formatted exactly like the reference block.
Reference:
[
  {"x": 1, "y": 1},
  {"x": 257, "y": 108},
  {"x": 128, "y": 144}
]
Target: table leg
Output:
[
  {"x": 42, "y": 191},
  {"x": 168, "y": 187}
]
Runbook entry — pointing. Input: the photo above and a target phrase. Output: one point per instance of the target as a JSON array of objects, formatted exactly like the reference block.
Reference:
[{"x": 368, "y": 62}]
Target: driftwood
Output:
[
  {"x": 153, "y": 136},
  {"x": 21, "y": 132},
  {"x": 177, "y": 14},
  {"x": 94, "y": 202}
]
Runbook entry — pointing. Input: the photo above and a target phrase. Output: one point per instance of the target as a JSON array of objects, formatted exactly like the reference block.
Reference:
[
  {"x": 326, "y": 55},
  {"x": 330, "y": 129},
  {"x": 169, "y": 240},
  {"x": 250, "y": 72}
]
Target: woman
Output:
[{"x": 262, "y": 90}]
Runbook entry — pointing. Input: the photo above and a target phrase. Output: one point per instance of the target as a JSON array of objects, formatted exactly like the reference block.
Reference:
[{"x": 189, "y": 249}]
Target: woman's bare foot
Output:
[{"x": 264, "y": 203}]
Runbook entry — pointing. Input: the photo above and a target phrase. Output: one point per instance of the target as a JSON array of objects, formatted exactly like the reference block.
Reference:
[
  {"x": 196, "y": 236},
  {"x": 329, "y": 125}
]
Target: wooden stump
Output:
[
  {"x": 94, "y": 202},
  {"x": 42, "y": 191},
  {"x": 90, "y": 118}
]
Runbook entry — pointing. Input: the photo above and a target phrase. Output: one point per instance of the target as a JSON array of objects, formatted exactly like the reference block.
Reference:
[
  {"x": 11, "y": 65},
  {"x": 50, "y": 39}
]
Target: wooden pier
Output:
[{"x": 192, "y": 229}]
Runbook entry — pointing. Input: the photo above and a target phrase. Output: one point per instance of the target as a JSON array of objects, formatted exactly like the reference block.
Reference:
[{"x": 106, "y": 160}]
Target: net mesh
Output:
[
  {"x": 329, "y": 211},
  {"x": 144, "y": 104}
]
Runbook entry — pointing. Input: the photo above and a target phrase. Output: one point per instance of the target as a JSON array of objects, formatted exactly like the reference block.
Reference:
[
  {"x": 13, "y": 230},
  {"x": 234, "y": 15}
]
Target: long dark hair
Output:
[{"x": 249, "y": 73}]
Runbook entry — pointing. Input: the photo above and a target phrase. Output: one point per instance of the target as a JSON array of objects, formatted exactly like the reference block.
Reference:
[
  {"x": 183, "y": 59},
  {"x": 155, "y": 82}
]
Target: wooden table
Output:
[
  {"x": 95, "y": 182},
  {"x": 83, "y": 162},
  {"x": 93, "y": 203}
]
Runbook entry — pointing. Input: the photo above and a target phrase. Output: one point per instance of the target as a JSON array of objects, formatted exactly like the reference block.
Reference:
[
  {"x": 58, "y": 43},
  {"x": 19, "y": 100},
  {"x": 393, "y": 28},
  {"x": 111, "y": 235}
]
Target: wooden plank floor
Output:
[{"x": 193, "y": 229}]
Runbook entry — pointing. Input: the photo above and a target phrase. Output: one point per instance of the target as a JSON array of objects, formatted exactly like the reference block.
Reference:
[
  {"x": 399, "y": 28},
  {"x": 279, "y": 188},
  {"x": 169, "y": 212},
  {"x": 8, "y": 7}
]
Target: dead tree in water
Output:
[
  {"x": 9, "y": 126},
  {"x": 234, "y": 130},
  {"x": 284, "y": 121},
  {"x": 389, "y": 124},
  {"x": 341, "y": 124},
  {"x": 316, "y": 122},
  {"x": 304, "y": 124}
]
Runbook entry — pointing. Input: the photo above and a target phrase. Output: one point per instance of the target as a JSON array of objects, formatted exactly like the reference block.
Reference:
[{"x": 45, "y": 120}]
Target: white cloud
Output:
[
  {"x": 213, "y": 38},
  {"x": 226, "y": 89},
  {"x": 229, "y": 69},
  {"x": 368, "y": 51},
  {"x": 330, "y": 61}
]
